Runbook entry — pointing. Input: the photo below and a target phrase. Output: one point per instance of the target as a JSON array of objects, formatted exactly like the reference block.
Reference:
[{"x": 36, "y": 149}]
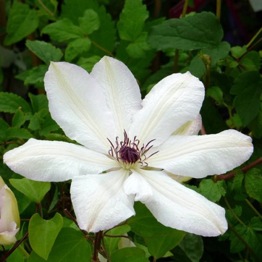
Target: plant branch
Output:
[
  {"x": 243, "y": 169},
  {"x": 15, "y": 246},
  {"x": 97, "y": 245}
]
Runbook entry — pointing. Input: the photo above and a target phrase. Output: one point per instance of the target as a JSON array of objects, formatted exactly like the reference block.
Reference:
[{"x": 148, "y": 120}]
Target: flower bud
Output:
[{"x": 9, "y": 215}]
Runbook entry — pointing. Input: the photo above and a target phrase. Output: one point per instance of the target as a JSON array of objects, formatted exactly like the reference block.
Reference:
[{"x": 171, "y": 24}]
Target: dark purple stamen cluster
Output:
[{"x": 128, "y": 151}]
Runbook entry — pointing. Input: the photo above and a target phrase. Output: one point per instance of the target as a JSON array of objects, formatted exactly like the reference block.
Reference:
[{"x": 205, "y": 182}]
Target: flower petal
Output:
[
  {"x": 77, "y": 104},
  {"x": 177, "y": 206},
  {"x": 190, "y": 128},
  {"x": 121, "y": 90},
  {"x": 200, "y": 156},
  {"x": 99, "y": 200},
  {"x": 171, "y": 103},
  {"x": 55, "y": 161}
]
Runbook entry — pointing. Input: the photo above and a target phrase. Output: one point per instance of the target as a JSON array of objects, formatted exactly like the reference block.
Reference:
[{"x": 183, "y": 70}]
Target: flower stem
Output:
[{"x": 97, "y": 245}]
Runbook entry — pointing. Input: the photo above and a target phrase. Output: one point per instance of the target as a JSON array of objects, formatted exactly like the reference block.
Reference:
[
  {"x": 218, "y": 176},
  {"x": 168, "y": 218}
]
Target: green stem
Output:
[
  {"x": 253, "y": 208},
  {"x": 233, "y": 213},
  {"x": 46, "y": 9},
  {"x": 185, "y": 6},
  {"x": 218, "y": 9},
  {"x": 254, "y": 38},
  {"x": 102, "y": 48}
]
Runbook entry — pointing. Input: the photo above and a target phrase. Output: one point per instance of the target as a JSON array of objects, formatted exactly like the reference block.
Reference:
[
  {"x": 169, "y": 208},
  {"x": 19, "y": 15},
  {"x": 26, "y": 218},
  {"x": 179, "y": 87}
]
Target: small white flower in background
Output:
[
  {"x": 9, "y": 215},
  {"x": 130, "y": 149}
]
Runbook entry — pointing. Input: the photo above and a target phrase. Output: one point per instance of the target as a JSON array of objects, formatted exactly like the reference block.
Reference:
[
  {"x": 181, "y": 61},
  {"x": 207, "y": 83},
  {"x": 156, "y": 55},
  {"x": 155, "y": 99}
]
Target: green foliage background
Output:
[{"x": 35, "y": 32}]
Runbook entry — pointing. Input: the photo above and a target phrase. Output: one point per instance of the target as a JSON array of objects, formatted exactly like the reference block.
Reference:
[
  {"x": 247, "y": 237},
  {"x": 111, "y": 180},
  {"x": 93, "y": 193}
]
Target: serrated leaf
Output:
[
  {"x": 253, "y": 184},
  {"x": 158, "y": 238},
  {"x": 45, "y": 51},
  {"x": 129, "y": 254},
  {"x": 105, "y": 36},
  {"x": 139, "y": 47},
  {"x": 38, "y": 102},
  {"x": 216, "y": 93},
  {"x": 17, "y": 133},
  {"x": 251, "y": 61},
  {"x": 198, "y": 31},
  {"x": 247, "y": 88},
  {"x": 10, "y": 103},
  {"x": 88, "y": 62},
  {"x": 43, "y": 233},
  {"x": 34, "y": 190},
  {"x": 19, "y": 118},
  {"x": 21, "y": 22},
  {"x": 33, "y": 76},
  {"x": 132, "y": 19},
  {"x": 77, "y": 47},
  {"x": 89, "y": 22},
  {"x": 212, "y": 190},
  {"x": 63, "y": 30}
]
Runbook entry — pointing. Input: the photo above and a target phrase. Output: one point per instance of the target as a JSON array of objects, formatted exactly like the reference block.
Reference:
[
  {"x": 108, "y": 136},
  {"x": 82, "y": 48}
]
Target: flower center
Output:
[{"x": 128, "y": 152}]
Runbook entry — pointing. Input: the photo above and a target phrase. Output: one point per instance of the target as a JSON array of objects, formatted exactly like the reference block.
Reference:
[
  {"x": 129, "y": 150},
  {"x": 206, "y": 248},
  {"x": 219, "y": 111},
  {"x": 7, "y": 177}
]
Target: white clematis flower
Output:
[
  {"x": 130, "y": 149},
  {"x": 9, "y": 215}
]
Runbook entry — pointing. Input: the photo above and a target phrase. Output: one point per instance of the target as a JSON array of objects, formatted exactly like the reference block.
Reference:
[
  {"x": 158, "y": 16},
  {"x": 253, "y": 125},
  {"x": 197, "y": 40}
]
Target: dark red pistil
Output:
[{"x": 129, "y": 154}]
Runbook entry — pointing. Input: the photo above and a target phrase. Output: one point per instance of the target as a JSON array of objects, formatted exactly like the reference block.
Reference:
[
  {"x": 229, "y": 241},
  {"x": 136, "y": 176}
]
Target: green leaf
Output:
[
  {"x": 132, "y": 19},
  {"x": 197, "y": 67},
  {"x": 193, "y": 247},
  {"x": 45, "y": 51},
  {"x": 10, "y": 103},
  {"x": 198, "y": 31},
  {"x": 218, "y": 52},
  {"x": 43, "y": 233},
  {"x": 19, "y": 118},
  {"x": 17, "y": 133},
  {"x": 139, "y": 47},
  {"x": 89, "y": 62},
  {"x": 253, "y": 184},
  {"x": 63, "y": 30},
  {"x": 21, "y": 22},
  {"x": 216, "y": 93},
  {"x": 129, "y": 254},
  {"x": 77, "y": 47},
  {"x": 212, "y": 190},
  {"x": 33, "y": 76},
  {"x": 251, "y": 61},
  {"x": 34, "y": 190},
  {"x": 104, "y": 37},
  {"x": 111, "y": 239},
  {"x": 89, "y": 22},
  {"x": 158, "y": 238},
  {"x": 247, "y": 88},
  {"x": 70, "y": 246},
  {"x": 38, "y": 102}
]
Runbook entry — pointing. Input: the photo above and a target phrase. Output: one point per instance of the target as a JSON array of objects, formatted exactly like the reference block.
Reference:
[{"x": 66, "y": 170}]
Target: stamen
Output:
[{"x": 128, "y": 151}]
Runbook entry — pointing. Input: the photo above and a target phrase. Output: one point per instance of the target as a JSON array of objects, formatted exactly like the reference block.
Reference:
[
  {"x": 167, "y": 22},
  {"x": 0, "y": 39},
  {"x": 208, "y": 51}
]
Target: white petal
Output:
[
  {"x": 77, "y": 104},
  {"x": 137, "y": 186},
  {"x": 171, "y": 103},
  {"x": 55, "y": 161},
  {"x": 190, "y": 128},
  {"x": 200, "y": 156},
  {"x": 177, "y": 206},
  {"x": 99, "y": 201},
  {"x": 121, "y": 90}
]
